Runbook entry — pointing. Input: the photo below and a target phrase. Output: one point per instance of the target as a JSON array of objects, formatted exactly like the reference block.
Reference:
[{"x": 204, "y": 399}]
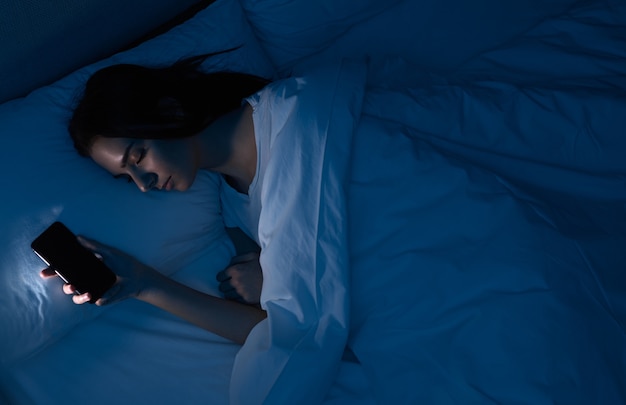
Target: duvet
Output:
[{"x": 458, "y": 242}]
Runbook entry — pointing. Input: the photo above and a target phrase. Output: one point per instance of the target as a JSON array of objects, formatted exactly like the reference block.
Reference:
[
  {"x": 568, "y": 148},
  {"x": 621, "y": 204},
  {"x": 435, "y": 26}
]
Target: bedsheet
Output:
[
  {"x": 462, "y": 283},
  {"x": 483, "y": 238}
]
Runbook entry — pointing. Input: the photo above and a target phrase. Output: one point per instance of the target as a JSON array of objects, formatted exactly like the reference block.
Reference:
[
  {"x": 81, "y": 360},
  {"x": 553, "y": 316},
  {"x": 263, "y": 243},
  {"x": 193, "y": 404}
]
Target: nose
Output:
[{"x": 145, "y": 181}]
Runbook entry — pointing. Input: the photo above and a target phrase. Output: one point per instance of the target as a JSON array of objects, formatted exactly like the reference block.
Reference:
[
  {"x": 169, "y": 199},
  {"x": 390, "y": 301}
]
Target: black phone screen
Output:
[{"x": 74, "y": 263}]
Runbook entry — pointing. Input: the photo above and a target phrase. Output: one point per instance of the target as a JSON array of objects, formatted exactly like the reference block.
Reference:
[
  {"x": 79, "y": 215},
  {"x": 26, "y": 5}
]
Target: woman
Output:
[
  {"x": 158, "y": 127},
  {"x": 447, "y": 268}
]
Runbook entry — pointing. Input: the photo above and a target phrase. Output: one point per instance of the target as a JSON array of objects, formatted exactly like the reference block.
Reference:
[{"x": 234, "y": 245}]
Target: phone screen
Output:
[{"x": 59, "y": 248}]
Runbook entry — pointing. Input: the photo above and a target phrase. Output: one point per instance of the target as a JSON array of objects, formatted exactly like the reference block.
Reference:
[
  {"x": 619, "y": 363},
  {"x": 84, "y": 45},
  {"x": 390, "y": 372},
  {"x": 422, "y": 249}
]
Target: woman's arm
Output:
[{"x": 229, "y": 319}]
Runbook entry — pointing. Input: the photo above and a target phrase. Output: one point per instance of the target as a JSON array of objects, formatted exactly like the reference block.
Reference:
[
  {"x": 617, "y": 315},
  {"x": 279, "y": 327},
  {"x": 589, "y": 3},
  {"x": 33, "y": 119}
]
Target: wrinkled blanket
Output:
[{"x": 463, "y": 240}]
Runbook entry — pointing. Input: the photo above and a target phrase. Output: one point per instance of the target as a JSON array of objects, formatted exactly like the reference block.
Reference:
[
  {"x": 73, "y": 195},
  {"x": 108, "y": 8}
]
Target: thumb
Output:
[
  {"x": 96, "y": 247},
  {"x": 110, "y": 295}
]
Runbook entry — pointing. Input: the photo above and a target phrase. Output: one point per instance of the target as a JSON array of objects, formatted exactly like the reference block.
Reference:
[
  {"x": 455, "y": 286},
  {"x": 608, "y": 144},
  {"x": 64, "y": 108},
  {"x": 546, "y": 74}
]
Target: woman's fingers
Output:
[
  {"x": 232, "y": 295},
  {"x": 225, "y": 286},
  {"x": 222, "y": 276},
  {"x": 242, "y": 280},
  {"x": 111, "y": 295},
  {"x": 107, "y": 298},
  {"x": 47, "y": 273},
  {"x": 130, "y": 274},
  {"x": 82, "y": 298},
  {"x": 69, "y": 289}
]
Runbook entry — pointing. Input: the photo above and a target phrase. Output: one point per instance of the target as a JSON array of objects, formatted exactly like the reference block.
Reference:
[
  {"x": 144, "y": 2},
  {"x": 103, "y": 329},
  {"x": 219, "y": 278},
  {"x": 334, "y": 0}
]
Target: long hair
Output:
[{"x": 132, "y": 101}]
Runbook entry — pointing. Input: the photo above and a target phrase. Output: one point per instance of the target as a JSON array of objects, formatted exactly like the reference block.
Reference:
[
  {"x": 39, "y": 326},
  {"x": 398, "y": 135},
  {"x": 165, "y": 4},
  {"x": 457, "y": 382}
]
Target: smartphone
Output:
[{"x": 59, "y": 248}]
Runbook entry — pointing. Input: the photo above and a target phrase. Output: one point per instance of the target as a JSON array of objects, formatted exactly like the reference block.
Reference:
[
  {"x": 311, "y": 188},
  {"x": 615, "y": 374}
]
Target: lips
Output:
[{"x": 167, "y": 185}]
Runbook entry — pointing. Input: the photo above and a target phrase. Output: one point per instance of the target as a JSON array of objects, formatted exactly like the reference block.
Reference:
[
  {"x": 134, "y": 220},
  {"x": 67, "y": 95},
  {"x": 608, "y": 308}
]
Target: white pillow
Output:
[{"x": 43, "y": 179}]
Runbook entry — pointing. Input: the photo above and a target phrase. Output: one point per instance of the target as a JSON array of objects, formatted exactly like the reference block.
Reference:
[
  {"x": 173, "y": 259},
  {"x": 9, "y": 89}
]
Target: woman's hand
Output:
[
  {"x": 230, "y": 319},
  {"x": 67, "y": 288},
  {"x": 132, "y": 276},
  {"x": 243, "y": 279}
]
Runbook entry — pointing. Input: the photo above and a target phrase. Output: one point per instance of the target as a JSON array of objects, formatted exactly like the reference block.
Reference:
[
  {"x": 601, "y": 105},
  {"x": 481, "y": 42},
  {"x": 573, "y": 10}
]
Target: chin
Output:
[
  {"x": 185, "y": 183},
  {"x": 182, "y": 186}
]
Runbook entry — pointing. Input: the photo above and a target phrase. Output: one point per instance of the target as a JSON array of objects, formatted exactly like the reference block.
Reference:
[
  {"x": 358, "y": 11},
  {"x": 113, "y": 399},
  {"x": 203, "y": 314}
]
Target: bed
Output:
[{"x": 453, "y": 227}]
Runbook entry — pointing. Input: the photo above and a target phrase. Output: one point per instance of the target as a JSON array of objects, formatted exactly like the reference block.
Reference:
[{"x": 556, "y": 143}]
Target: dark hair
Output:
[{"x": 132, "y": 101}]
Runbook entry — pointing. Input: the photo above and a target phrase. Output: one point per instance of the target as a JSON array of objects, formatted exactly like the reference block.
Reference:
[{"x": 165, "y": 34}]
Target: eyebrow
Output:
[{"x": 126, "y": 153}]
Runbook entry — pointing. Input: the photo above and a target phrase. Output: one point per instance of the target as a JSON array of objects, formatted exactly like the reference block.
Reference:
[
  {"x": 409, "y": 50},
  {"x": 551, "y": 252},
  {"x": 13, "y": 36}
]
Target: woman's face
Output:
[{"x": 169, "y": 164}]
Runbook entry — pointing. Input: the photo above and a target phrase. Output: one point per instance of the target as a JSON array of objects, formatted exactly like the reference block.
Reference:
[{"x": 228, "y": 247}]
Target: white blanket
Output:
[
  {"x": 303, "y": 237},
  {"x": 463, "y": 286}
]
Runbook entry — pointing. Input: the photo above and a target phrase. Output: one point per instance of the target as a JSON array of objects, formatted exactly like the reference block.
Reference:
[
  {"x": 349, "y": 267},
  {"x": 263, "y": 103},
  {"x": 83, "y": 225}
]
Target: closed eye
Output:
[
  {"x": 142, "y": 154},
  {"x": 124, "y": 177}
]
